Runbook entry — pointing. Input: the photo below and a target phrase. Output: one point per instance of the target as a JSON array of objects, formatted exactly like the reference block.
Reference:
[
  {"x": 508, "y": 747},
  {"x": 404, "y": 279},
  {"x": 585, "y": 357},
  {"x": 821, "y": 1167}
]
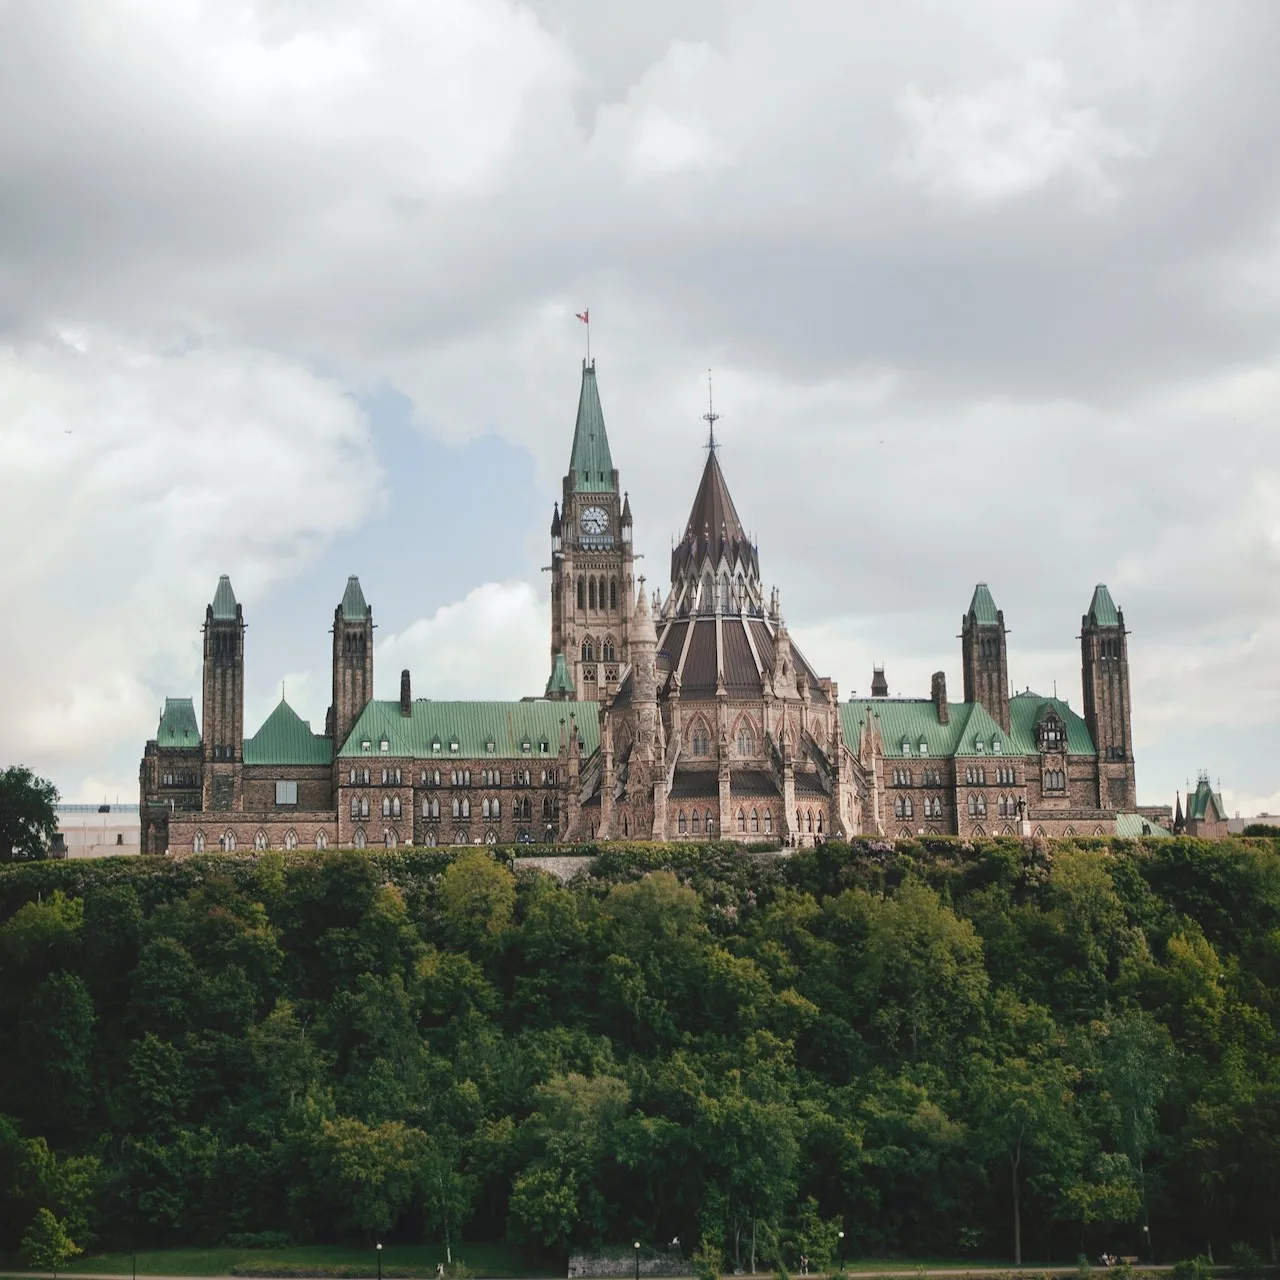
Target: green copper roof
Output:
[
  {"x": 559, "y": 681},
  {"x": 1131, "y": 826},
  {"x": 354, "y": 608},
  {"x": 1102, "y": 609},
  {"x": 970, "y": 730},
  {"x": 1205, "y": 803},
  {"x": 1026, "y": 711},
  {"x": 178, "y": 726},
  {"x": 590, "y": 457},
  {"x": 224, "y": 601},
  {"x": 498, "y": 729},
  {"x": 286, "y": 738},
  {"x": 983, "y": 607}
]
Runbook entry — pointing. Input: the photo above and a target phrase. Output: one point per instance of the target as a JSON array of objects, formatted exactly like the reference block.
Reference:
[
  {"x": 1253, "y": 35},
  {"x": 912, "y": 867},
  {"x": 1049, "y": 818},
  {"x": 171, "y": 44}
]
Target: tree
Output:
[
  {"x": 46, "y": 1246},
  {"x": 28, "y": 817},
  {"x": 477, "y": 897}
]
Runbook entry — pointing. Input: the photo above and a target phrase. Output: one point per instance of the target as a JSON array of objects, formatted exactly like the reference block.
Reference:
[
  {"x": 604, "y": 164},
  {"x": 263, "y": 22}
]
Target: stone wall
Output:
[{"x": 584, "y": 1266}]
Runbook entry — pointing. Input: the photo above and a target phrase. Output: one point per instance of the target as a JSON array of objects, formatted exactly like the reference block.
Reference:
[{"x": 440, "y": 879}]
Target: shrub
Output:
[{"x": 1192, "y": 1269}]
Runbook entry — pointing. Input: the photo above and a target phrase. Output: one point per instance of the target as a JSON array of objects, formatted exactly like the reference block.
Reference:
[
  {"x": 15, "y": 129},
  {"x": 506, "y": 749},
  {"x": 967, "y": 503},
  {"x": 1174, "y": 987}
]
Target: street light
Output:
[
  {"x": 378, "y": 1247},
  {"x": 636, "y": 1247},
  {"x": 839, "y": 1248}
]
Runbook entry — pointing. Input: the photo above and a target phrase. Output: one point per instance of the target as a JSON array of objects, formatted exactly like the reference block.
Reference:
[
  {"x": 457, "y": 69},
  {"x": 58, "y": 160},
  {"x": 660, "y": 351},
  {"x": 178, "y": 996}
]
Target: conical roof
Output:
[
  {"x": 559, "y": 684},
  {"x": 714, "y": 527},
  {"x": 982, "y": 608},
  {"x": 224, "y": 601},
  {"x": 1102, "y": 609},
  {"x": 590, "y": 458},
  {"x": 354, "y": 608}
]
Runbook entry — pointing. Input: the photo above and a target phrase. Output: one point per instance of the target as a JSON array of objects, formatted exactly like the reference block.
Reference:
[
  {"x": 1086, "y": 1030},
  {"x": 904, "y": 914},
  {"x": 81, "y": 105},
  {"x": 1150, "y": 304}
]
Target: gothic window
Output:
[
  {"x": 607, "y": 652},
  {"x": 197, "y": 845},
  {"x": 724, "y": 595},
  {"x": 431, "y": 839},
  {"x": 386, "y": 806},
  {"x": 457, "y": 807},
  {"x": 746, "y": 740},
  {"x": 897, "y": 807},
  {"x": 495, "y": 807},
  {"x": 701, "y": 738},
  {"x": 973, "y": 805},
  {"x": 820, "y": 816},
  {"x": 395, "y": 806},
  {"x": 696, "y": 825},
  {"x": 582, "y": 593},
  {"x": 466, "y": 806},
  {"x": 613, "y": 600},
  {"x": 290, "y": 839},
  {"x": 1002, "y": 807},
  {"x": 358, "y": 840},
  {"x": 229, "y": 842},
  {"x": 546, "y": 808},
  {"x": 755, "y": 820},
  {"x": 982, "y": 806},
  {"x": 389, "y": 838},
  {"x": 809, "y": 820},
  {"x": 591, "y": 593},
  {"x": 460, "y": 837},
  {"x": 768, "y": 822},
  {"x": 588, "y": 652},
  {"x": 322, "y": 840},
  {"x": 799, "y": 820},
  {"x": 907, "y": 811},
  {"x": 490, "y": 837},
  {"x": 708, "y": 594},
  {"x": 682, "y": 823},
  {"x": 742, "y": 821}
]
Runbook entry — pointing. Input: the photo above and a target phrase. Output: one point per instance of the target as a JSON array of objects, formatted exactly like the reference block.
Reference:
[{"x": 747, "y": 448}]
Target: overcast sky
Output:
[{"x": 991, "y": 289}]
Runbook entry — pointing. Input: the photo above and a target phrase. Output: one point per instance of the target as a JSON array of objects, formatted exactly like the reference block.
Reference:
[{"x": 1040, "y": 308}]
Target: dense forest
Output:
[{"x": 942, "y": 1049}]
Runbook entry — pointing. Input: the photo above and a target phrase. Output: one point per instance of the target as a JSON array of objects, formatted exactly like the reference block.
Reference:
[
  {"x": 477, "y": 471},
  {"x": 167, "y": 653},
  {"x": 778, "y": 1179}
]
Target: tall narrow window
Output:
[
  {"x": 755, "y": 820},
  {"x": 697, "y": 823},
  {"x": 682, "y": 823},
  {"x": 582, "y": 593},
  {"x": 613, "y": 595},
  {"x": 742, "y": 821},
  {"x": 768, "y": 822},
  {"x": 591, "y": 594}
]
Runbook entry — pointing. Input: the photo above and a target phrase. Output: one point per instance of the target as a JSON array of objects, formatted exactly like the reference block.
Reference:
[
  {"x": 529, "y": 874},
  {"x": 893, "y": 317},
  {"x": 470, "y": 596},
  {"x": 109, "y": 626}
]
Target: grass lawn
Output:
[{"x": 498, "y": 1260}]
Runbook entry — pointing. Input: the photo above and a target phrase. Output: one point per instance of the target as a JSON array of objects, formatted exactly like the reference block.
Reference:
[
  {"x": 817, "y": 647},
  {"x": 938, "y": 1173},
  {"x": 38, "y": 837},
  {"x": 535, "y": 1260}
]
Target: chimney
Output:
[
  {"x": 879, "y": 685},
  {"x": 939, "y": 695},
  {"x": 406, "y": 702}
]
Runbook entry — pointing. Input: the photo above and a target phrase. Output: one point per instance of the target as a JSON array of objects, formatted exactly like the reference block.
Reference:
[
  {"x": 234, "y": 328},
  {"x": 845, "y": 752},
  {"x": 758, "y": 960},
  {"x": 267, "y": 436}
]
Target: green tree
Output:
[
  {"x": 28, "y": 815},
  {"x": 47, "y": 1246},
  {"x": 477, "y": 899}
]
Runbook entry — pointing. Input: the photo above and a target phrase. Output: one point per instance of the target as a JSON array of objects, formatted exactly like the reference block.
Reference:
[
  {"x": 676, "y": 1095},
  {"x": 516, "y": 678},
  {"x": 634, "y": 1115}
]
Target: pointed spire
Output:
[
  {"x": 354, "y": 608},
  {"x": 1102, "y": 609},
  {"x": 626, "y": 509},
  {"x": 590, "y": 462},
  {"x": 711, "y": 417},
  {"x": 224, "y": 601},
  {"x": 559, "y": 684},
  {"x": 642, "y": 621},
  {"x": 555, "y": 521},
  {"x": 982, "y": 608}
]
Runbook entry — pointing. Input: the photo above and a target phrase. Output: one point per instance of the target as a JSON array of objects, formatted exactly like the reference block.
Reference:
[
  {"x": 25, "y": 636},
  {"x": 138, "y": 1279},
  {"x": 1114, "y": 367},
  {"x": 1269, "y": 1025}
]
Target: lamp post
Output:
[
  {"x": 839, "y": 1249},
  {"x": 636, "y": 1247},
  {"x": 378, "y": 1249}
]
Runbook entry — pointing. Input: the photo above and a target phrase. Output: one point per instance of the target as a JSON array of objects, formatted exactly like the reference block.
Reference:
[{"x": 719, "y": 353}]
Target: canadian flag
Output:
[{"x": 584, "y": 316}]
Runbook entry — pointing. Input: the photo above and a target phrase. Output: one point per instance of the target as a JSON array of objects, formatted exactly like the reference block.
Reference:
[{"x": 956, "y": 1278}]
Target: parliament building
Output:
[{"x": 687, "y": 715}]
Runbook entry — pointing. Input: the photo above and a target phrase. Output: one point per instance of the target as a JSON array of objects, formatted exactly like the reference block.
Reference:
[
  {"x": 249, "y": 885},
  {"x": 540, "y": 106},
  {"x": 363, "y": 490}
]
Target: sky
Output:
[{"x": 990, "y": 289}]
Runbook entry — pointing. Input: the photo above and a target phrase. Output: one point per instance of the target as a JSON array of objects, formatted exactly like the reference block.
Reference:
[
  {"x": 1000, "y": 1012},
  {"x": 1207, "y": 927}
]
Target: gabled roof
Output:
[
  {"x": 354, "y": 608},
  {"x": 224, "y": 601},
  {"x": 473, "y": 726},
  {"x": 713, "y": 528},
  {"x": 178, "y": 727},
  {"x": 1026, "y": 710},
  {"x": 915, "y": 720},
  {"x": 559, "y": 681},
  {"x": 1205, "y": 804},
  {"x": 286, "y": 738},
  {"x": 982, "y": 608},
  {"x": 590, "y": 458},
  {"x": 1102, "y": 609},
  {"x": 1134, "y": 826}
]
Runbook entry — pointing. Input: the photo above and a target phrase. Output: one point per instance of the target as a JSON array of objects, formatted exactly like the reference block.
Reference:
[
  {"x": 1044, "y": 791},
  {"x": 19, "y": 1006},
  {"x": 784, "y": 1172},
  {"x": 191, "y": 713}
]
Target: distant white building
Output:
[
  {"x": 96, "y": 830},
  {"x": 1237, "y": 824}
]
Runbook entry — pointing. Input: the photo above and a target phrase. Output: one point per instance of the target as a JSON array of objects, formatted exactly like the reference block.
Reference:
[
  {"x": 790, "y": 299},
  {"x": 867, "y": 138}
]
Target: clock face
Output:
[{"x": 595, "y": 520}]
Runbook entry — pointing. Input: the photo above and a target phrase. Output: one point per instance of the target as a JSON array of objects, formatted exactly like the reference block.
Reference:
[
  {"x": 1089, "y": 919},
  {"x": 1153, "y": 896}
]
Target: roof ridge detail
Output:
[
  {"x": 590, "y": 459},
  {"x": 224, "y": 601}
]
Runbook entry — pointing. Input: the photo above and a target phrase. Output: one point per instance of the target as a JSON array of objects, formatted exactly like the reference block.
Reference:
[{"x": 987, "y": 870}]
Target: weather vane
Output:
[{"x": 711, "y": 417}]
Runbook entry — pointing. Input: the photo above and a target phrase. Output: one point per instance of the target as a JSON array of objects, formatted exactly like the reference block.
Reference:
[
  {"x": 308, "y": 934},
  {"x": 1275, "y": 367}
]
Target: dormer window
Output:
[
  {"x": 489, "y": 746},
  {"x": 924, "y": 747},
  {"x": 997, "y": 747},
  {"x": 384, "y": 745},
  {"x": 435, "y": 744},
  {"x": 453, "y": 745},
  {"x": 366, "y": 746},
  {"x": 544, "y": 747},
  {"x": 526, "y": 746},
  {"x": 978, "y": 746},
  {"x": 906, "y": 747}
]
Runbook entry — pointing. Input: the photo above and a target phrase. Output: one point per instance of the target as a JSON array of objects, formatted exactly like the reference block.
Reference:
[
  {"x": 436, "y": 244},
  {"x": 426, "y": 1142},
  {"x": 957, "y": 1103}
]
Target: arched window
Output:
[
  {"x": 768, "y": 822},
  {"x": 809, "y": 820},
  {"x": 389, "y": 838},
  {"x": 755, "y": 820},
  {"x": 799, "y": 820},
  {"x": 820, "y": 815},
  {"x": 591, "y": 593},
  {"x": 582, "y": 593},
  {"x": 897, "y": 807},
  {"x": 588, "y": 651},
  {"x": 973, "y": 805},
  {"x": 386, "y": 806},
  {"x": 608, "y": 653},
  {"x": 457, "y": 807},
  {"x": 490, "y": 838},
  {"x": 364, "y": 806},
  {"x": 708, "y": 594},
  {"x": 613, "y": 599},
  {"x": 626, "y": 826},
  {"x": 466, "y": 806},
  {"x": 701, "y": 738},
  {"x": 395, "y": 806},
  {"x": 982, "y": 805},
  {"x": 495, "y": 807},
  {"x": 908, "y": 811},
  {"x": 484, "y": 807},
  {"x": 290, "y": 839},
  {"x": 724, "y": 593},
  {"x": 229, "y": 841},
  {"x": 322, "y": 840},
  {"x": 746, "y": 740},
  {"x": 431, "y": 838},
  {"x": 358, "y": 839},
  {"x": 682, "y": 823},
  {"x": 259, "y": 839},
  {"x": 696, "y": 825},
  {"x": 460, "y": 837},
  {"x": 546, "y": 808},
  {"x": 197, "y": 844},
  {"x": 742, "y": 821}
]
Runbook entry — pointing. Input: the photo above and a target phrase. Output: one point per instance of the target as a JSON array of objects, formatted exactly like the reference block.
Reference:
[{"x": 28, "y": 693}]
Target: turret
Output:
[
  {"x": 223, "y": 718},
  {"x": 984, "y": 656},
  {"x": 1104, "y": 662}
]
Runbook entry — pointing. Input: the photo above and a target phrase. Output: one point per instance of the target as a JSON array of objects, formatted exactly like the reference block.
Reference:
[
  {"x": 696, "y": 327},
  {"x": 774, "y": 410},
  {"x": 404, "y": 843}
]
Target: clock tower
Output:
[{"x": 591, "y": 566}]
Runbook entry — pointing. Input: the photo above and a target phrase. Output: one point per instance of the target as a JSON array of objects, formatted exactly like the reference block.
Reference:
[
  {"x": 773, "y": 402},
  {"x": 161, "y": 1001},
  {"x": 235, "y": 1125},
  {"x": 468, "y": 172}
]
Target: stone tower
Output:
[
  {"x": 352, "y": 661},
  {"x": 223, "y": 718},
  {"x": 985, "y": 657},
  {"x": 1104, "y": 656},
  {"x": 591, "y": 559}
]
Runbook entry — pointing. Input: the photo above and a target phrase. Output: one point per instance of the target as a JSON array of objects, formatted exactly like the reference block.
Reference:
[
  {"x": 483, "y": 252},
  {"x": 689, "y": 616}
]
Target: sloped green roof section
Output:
[
  {"x": 1026, "y": 711},
  {"x": 224, "y": 601},
  {"x": 354, "y": 608},
  {"x": 178, "y": 727},
  {"x": 559, "y": 681},
  {"x": 915, "y": 720},
  {"x": 982, "y": 607},
  {"x": 497, "y": 729},
  {"x": 590, "y": 457},
  {"x": 286, "y": 738},
  {"x": 1205, "y": 803},
  {"x": 1102, "y": 609},
  {"x": 1133, "y": 826}
]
